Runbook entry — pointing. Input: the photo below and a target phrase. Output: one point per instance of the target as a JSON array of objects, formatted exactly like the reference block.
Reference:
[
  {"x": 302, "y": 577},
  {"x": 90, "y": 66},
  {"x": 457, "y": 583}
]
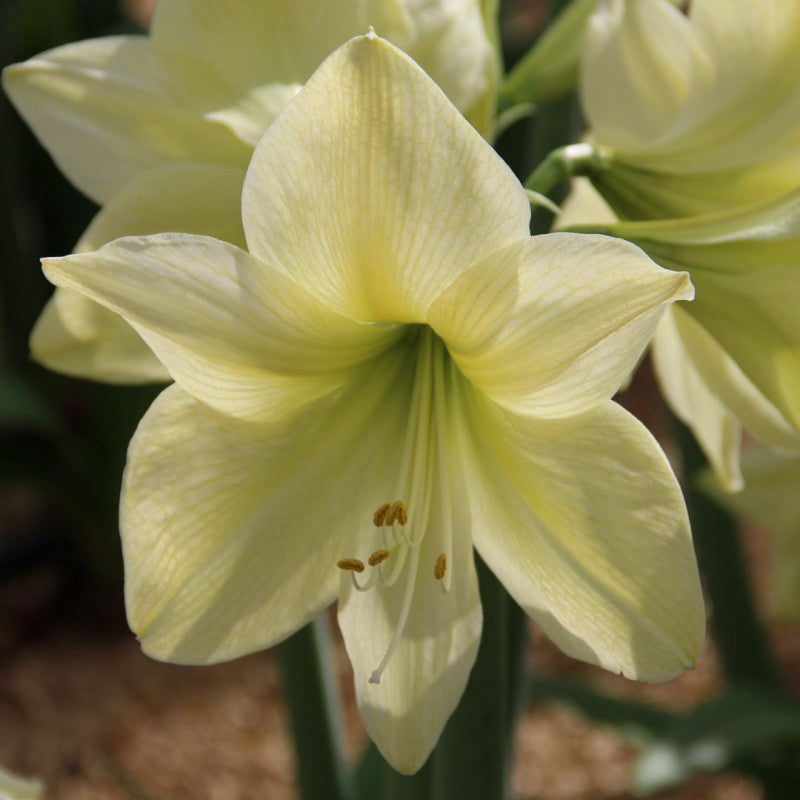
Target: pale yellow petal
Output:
[
  {"x": 234, "y": 333},
  {"x": 231, "y": 530},
  {"x": 754, "y": 318},
  {"x": 553, "y": 325},
  {"x": 101, "y": 110},
  {"x": 76, "y": 336},
  {"x": 584, "y": 523},
  {"x": 351, "y": 194},
  {"x": 405, "y": 713},
  {"x": 709, "y": 391},
  {"x": 584, "y": 206},
  {"x": 450, "y": 42},
  {"x": 692, "y": 400},
  {"x": 239, "y": 63},
  {"x": 636, "y": 67},
  {"x": 183, "y": 198}
]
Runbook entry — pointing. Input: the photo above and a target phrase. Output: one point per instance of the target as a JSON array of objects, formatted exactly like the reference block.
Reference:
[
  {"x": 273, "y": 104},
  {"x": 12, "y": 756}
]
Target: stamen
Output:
[
  {"x": 440, "y": 567},
  {"x": 397, "y": 513},
  {"x": 378, "y": 556},
  {"x": 351, "y": 564},
  {"x": 380, "y": 515},
  {"x": 401, "y": 622}
]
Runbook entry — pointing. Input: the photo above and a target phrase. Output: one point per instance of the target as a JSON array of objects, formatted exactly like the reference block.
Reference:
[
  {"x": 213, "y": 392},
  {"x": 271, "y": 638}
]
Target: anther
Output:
[
  {"x": 440, "y": 567},
  {"x": 380, "y": 515},
  {"x": 351, "y": 564},
  {"x": 378, "y": 556},
  {"x": 397, "y": 513},
  {"x": 389, "y": 513}
]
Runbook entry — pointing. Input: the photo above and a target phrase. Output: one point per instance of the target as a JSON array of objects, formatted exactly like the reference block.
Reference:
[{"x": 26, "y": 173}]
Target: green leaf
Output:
[{"x": 21, "y": 406}]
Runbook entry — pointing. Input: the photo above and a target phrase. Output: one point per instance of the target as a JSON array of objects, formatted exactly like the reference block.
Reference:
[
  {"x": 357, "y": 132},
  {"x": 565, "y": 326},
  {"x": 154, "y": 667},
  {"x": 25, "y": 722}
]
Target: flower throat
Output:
[{"x": 423, "y": 479}]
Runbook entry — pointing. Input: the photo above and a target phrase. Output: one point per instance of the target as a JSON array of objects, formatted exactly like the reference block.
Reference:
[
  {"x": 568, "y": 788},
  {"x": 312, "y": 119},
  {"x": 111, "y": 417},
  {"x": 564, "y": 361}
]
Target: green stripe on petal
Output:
[{"x": 350, "y": 194}]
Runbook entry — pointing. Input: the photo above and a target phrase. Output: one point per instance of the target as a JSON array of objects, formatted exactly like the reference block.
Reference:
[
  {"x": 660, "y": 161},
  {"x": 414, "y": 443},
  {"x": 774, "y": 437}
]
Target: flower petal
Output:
[
  {"x": 231, "y": 530},
  {"x": 636, "y": 69},
  {"x": 584, "y": 523},
  {"x": 709, "y": 392},
  {"x": 101, "y": 110},
  {"x": 351, "y": 194},
  {"x": 553, "y": 325},
  {"x": 405, "y": 713},
  {"x": 187, "y": 198},
  {"x": 78, "y": 337},
  {"x": 692, "y": 400},
  {"x": 450, "y": 42},
  {"x": 234, "y": 333},
  {"x": 240, "y": 62},
  {"x": 764, "y": 304}
]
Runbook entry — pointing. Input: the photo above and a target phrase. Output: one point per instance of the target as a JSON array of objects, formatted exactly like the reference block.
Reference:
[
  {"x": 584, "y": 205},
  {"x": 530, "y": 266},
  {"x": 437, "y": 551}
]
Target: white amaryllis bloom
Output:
[
  {"x": 698, "y": 112},
  {"x": 159, "y": 129},
  {"x": 393, "y": 372}
]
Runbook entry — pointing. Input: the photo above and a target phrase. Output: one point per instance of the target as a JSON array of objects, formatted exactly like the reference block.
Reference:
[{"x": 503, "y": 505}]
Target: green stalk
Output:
[
  {"x": 558, "y": 164},
  {"x": 737, "y": 631},
  {"x": 470, "y": 760},
  {"x": 312, "y": 696}
]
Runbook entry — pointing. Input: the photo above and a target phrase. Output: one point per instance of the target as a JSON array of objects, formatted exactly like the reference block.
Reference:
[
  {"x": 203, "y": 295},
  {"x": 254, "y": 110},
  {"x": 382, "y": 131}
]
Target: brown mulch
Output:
[{"x": 82, "y": 708}]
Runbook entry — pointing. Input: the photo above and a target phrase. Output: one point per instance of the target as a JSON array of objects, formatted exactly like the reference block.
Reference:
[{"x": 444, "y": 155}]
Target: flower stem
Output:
[
  {"x": 312, "y": 696},
  {"x": 563, "y": 163},
  {"x": 470, "y": 760},
  {"x": 737, "y": 631}
]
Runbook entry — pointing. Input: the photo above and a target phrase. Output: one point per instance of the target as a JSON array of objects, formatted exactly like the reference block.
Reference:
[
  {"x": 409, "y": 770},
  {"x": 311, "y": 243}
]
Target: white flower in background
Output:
[{"x": 698, "y": 113}]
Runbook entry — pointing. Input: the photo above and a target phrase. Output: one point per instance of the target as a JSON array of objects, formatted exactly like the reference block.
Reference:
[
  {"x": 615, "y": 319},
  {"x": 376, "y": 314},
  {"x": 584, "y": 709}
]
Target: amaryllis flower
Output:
[{"x": 393, "y": 373}]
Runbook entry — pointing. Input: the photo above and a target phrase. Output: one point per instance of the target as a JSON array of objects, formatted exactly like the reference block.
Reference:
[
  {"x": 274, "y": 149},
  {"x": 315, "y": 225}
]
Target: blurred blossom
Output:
[
  {"x": 697, "y": 112},
  {"x": 698, "y": 121}
]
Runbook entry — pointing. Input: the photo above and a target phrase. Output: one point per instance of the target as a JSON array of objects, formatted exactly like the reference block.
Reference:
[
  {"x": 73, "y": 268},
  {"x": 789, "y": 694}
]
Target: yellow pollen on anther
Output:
[
  {"x": 380, "y": 515},
  {"x": 389, "y": 513},
  {"x": 351, "y": 564},
  {"x": 378, "y": 556},
  {"x": 397, "y": 513},
  {"x": 440, "y": 567}
]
